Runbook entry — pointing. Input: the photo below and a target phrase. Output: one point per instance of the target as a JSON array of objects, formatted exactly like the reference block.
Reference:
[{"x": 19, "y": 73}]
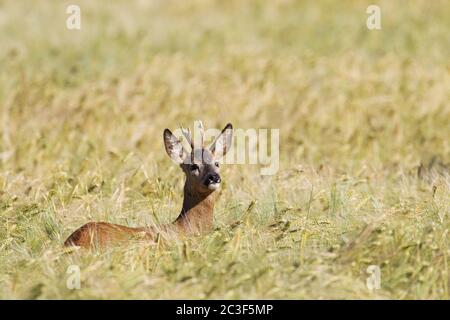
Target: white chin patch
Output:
[{"x": 213, "y": 186}]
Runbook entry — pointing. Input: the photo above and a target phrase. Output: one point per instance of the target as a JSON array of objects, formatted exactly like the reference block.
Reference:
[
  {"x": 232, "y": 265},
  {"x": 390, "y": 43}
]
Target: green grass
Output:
[{"x": 82, "y": 115}]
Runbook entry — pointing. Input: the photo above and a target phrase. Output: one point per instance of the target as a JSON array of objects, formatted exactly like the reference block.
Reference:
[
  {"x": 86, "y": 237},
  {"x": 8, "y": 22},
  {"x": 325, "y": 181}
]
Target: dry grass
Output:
[{"x": 82, "y": 115}]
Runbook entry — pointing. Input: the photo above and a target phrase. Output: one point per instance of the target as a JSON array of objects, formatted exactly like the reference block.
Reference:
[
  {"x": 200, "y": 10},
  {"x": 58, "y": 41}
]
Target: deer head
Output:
[{"x": 201, "y": 164}]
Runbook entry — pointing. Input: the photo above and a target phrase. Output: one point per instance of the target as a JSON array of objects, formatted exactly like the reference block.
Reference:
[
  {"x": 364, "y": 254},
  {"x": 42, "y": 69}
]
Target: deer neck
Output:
[{"x": 196, "y": 215}]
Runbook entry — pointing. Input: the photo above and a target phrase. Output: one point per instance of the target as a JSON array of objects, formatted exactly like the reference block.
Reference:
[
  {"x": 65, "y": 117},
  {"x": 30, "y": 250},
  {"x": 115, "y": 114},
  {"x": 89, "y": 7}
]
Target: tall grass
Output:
[{"x": 82, "y": 115}]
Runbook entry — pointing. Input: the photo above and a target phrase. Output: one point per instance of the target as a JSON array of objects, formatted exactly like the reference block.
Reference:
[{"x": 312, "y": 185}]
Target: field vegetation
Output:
[{"x": 82, "y": 114}]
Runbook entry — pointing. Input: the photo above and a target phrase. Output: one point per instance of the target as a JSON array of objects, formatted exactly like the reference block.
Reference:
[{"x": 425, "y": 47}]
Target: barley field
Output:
[{"x": 364, "y": 120}]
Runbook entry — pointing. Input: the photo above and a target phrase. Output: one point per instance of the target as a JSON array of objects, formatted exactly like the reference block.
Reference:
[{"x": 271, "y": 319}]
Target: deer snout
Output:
[
  {"x": 213, "y": 178},
  {"x": 212, "y": 181}
]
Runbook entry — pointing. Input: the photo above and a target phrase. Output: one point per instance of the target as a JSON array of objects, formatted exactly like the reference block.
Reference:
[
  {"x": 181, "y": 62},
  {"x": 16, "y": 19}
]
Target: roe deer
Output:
[{"x": 201, "y": 167}]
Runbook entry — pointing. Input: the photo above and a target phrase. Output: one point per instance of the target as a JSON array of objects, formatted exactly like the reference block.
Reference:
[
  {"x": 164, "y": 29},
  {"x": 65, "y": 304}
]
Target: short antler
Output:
[
  {"x": 187, "y": 135},
  {"x": 199, "y": 134},
  {"x": 201, "y": 131}
]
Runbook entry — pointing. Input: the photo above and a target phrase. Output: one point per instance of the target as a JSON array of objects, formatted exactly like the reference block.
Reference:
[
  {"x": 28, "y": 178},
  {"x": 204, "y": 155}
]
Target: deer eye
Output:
[
  {"x": 193, "y": 167},
  {"x": 217, "y": 164}
]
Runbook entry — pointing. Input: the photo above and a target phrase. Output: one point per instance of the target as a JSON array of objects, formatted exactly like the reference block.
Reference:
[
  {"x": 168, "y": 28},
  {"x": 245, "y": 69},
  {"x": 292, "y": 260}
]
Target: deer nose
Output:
[{"x": 213, "y": 178}]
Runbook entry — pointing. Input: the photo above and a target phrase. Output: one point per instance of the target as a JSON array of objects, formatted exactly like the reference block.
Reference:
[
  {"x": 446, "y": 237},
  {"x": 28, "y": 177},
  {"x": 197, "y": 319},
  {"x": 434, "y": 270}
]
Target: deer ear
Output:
[
  {"x": 222, "y": 144},
  {"x": 173, "y": 146}
]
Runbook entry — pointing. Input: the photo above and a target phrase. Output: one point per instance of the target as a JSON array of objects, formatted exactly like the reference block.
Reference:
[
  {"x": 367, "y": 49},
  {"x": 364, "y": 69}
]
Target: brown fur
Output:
[{"x": 196, "y": 217}]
